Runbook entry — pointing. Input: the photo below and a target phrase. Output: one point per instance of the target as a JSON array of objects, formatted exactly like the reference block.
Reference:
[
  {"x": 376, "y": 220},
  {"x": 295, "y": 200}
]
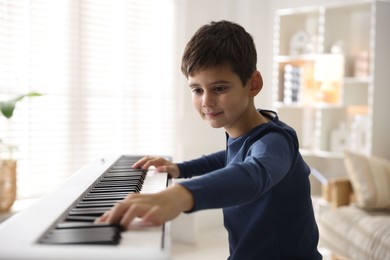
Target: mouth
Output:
[{"x": 212, "y": 114}]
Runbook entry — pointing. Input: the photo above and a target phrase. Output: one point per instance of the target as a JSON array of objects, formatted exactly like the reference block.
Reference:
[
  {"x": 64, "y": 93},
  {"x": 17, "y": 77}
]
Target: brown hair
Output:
[{"x": 220, "y": 43}]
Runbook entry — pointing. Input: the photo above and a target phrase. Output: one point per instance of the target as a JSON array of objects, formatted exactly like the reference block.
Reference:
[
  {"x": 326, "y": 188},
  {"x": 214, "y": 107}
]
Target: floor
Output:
[{"x": 211, "y": 245}]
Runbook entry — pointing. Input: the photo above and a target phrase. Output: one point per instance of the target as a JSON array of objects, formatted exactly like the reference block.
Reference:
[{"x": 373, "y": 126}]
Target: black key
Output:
[
  {"x": 88, "y": 211},
  {"x": 117, "y": 184},
  {"x": 81, "y": 218},
  {"x": 119, "y": 178},
  {"x": 136, "y": 187},
  {"x": 126, "y": 189},
  {"x": 127, "y": 170},
  {"x": 99, "y": 203},
  {"x": 109, "y": 235},
  {"x": 106, "y": 196},
  {"x": 64, "y": 225}
]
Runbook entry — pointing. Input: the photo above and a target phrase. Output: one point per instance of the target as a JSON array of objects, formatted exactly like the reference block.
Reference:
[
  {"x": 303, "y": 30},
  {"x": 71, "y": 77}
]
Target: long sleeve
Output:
[
  {"x": 202, "y": 165},
  {"x": 266, "y": 163}
]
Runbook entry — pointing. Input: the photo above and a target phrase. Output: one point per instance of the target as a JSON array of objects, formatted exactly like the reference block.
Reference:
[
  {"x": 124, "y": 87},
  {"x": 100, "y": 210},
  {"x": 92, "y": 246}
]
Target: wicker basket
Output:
[{"x": 7, "y": 184}]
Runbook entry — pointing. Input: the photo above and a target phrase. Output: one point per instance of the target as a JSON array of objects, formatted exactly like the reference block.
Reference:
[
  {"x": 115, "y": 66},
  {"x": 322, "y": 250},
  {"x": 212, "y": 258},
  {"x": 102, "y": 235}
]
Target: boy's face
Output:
[{"x": 221, "y": 99}]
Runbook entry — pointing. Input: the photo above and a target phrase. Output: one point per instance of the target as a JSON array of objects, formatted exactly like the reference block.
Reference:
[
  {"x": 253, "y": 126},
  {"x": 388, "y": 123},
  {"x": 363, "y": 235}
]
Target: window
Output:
[{"x": 106, "y": 70}]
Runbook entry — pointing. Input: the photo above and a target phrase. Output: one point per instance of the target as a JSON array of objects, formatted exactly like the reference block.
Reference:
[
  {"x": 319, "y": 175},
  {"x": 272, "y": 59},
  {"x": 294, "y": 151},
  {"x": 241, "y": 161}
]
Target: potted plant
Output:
[{"x": 8, "y": 165}]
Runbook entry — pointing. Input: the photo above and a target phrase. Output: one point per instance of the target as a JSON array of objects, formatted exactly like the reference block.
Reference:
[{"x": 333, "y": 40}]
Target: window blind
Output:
[{"x": 106, "y": 71}]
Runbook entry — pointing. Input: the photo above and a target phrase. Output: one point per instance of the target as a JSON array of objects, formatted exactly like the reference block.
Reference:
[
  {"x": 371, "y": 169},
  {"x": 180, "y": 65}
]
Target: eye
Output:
[
  {"x": 197, "y": 91},
  {"x": 220, "y": 88}
]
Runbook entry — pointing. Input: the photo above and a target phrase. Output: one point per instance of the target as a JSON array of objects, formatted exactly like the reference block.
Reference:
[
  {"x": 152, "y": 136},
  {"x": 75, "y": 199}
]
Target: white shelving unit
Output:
[{"x": 332, "y": 79}]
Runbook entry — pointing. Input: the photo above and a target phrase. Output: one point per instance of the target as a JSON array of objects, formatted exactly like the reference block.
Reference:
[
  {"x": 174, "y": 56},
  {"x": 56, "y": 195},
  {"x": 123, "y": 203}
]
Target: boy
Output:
[{"x": 260, "y": 181}]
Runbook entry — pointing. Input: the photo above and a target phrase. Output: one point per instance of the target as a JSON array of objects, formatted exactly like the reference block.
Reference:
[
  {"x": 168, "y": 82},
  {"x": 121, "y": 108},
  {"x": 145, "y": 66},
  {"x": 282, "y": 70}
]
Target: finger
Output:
[
  {"x": 153, "y": 216},
  {"x": 172, "y": 169},
  {"x": 102, "y": 218},
  {"x": 117, "y": 211},
  {"x": 152, "y": 161},
  {"x": 140, "y": 163},
  {"x": 163, "y": 168},
  {"x": 133, "y": 212},
  {"x": 139, "y": 223}
]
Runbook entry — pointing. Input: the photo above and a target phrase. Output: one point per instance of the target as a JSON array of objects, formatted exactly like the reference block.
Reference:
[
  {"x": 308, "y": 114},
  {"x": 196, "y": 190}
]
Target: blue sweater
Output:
[{"x": 262, "y": 184}]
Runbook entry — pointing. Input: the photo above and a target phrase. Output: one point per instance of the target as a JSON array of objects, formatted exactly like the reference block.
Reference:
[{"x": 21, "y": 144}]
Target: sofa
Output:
[{"x": 357, "y": 225}]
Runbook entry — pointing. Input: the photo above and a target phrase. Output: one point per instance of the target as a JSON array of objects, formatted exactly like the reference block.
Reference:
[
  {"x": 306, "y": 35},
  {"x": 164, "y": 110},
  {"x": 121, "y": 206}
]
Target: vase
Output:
[{"x": 7, "y": 184}]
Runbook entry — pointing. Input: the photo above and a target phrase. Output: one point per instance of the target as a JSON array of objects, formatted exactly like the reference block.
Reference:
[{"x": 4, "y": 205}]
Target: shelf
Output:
[
  {"x": 357, "y": 80},
  {"x": 317, "y": 105},
  {"x": 295, "y": 58},
  {"x": 322, "y": 154},
  {"x": 333, "y": 106},
  {"x": 281, "y": 105}
]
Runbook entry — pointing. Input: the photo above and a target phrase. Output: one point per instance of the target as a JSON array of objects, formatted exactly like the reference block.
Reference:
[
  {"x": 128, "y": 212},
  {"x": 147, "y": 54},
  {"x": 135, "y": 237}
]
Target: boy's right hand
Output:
[{"x": 161, "y": 164}]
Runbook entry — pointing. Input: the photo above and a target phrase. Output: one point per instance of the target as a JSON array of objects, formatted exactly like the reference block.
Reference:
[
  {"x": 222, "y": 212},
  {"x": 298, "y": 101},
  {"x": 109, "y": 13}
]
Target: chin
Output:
[{"x": 215, "y": 125}]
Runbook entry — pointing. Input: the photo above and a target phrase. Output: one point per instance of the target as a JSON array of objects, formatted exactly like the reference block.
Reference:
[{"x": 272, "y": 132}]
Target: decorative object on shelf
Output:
[
  {"x": 292, "y": 83},
  {"x": 328, "y": 72},
  {"x": 339, "y": 138},
  {"x": 300, "y": 43},
  {"x": 361, "y": 64},
  {"x": 338, "y": 47},
  {"x": 359, "y": 128},
  {"x": 8, "y": 166}
]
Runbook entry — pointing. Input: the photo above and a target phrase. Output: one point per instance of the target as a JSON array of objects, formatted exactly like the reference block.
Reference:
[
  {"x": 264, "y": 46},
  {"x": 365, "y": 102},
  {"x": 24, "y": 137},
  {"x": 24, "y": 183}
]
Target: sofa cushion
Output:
[
  {"x": 356, "y": 233},
  {"x": 370, "y": 178}
]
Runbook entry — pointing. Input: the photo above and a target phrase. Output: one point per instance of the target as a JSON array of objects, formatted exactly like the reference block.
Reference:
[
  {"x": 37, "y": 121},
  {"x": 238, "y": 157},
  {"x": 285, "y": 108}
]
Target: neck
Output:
[{"x": 249, "y": 121}]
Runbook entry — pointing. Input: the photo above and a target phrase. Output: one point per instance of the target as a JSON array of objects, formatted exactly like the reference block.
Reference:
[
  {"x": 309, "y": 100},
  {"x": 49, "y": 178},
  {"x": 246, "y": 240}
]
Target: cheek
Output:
[
  {"x": 229, "y": 101},
  {"x": 235, "y": 102},
  {"x": 196, "y": 101}
]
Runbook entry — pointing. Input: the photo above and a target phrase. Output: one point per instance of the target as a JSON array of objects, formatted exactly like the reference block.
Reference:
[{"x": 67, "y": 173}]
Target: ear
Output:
[{"x": 255, "y": 84}]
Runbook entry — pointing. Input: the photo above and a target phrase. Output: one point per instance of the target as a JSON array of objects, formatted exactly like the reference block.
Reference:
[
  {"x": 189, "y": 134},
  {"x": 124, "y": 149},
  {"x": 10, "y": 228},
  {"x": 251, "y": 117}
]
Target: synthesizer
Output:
[{"x": 61, "y": 224}]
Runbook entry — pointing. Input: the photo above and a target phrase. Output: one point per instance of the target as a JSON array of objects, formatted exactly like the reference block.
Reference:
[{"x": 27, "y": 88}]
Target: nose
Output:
[{"x": 207, "y": 99}]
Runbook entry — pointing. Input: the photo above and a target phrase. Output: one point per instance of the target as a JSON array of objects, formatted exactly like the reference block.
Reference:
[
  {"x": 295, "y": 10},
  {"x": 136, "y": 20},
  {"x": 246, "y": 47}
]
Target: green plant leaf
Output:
[
  {"x": 30, "y": 94},
  {"x": 7, "y": 107}
]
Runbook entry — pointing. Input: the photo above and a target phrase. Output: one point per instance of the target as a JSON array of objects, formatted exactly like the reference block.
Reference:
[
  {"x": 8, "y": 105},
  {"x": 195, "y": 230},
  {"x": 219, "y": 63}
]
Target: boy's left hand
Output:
[{"x": 161, "y": 164}]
